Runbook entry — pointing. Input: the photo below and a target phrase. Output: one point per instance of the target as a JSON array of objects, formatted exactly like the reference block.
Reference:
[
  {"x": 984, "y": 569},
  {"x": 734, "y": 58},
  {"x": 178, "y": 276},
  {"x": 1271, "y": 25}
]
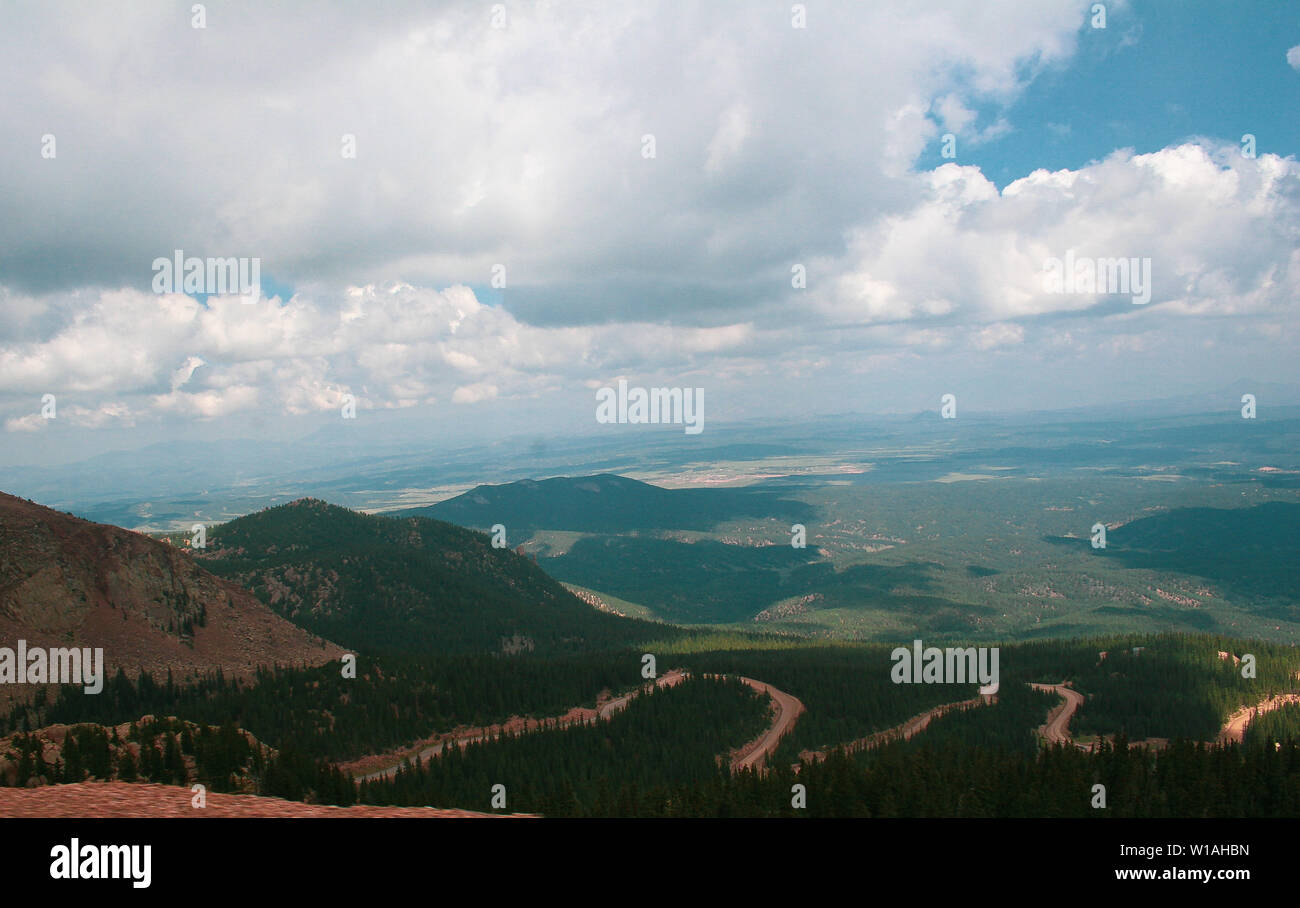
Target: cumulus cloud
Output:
[
  {"x": 955, "y": 117},
  {"x": 1218, "y": 229},
  {"x": 391, "y": 346},
  {"x": 1293, "y": 57},
  {"x": 186, "y": 371},
  {"x": 521, "y": 147},
  {"x": 477, "y": 146},
  {"x": 31, "y": 422},
  {"x": 468, "y": 394},
  {"x": 998, "y": 335}
]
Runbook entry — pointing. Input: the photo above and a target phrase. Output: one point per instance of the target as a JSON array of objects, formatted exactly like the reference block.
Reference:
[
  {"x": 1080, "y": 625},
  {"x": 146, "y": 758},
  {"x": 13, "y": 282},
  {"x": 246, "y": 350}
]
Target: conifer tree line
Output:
[
  {"x": 165, "y": 750},
  {"x": 667, "y": 751},
  {"x": 393, "y": 701},
  {"x": 680, "y": 734}
]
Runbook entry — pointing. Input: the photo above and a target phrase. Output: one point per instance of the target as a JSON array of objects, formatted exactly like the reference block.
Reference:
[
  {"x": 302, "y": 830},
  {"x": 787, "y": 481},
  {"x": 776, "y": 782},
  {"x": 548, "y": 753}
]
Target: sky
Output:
[{"x": 469, "y": 217}]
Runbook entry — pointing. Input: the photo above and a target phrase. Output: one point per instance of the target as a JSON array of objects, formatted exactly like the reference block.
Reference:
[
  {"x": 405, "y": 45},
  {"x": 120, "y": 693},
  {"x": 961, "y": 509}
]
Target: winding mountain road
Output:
[
  {"x": 467, "y": 736},
  {"x": 1056, "y": 730},
  {"x": 786, "y": 711},
  {"x": 903, "y": 731},
  {"x": 618, "y": 704},
  {"x": 1235, "y": 728}
]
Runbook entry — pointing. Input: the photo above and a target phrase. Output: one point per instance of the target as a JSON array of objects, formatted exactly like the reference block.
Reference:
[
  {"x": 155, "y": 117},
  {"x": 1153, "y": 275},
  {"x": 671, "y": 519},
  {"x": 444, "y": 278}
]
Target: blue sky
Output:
[{"x": 1160, "y": 73}]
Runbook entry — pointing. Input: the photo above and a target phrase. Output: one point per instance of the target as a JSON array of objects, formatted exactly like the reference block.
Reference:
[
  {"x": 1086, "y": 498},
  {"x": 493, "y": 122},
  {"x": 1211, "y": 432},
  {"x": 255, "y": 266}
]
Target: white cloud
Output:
[
  {"x": 953, "y": 115},
  {"x": 1293, "y": 57},
  {"x": 470, "y": 394},
  {"x": 733, "y": 129},
  {"x": 520, "y": 146},
  {"x": 390, "y": 346},
  {"x": 961, "y": 269},
  {"x": 999, "y": 335},
  {"x": 186, "y": 371},
  {"x": 207, "y": 404},
  {"x": 478, "y": 146},
  {"x": 31, "y": 422},
  {"x": 1218, "y": 229}
]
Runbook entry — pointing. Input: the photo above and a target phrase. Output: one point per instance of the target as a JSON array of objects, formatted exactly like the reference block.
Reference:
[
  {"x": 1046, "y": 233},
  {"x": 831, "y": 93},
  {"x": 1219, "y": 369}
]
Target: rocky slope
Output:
[{"x": 66, "y": 581}]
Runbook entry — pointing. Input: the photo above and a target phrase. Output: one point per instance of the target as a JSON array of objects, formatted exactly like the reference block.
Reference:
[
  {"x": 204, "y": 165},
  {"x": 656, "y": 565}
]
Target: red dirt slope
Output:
[
  {"x": 123, "y": 799},
  {"x": 66, "y": 581}
]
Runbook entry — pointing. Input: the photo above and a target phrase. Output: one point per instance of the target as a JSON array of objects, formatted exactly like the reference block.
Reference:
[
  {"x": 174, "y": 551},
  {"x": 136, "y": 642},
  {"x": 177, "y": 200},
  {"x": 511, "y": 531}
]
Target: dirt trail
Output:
[
  {"x": 786, "y": 709},
  {"x": 1235, "y": 728},
  {"x": 618, "y": 704},
  {"x": 1056, "y": 730},
  {"x": 903, "y": 731},
  {"x": 465, "y": 736}
]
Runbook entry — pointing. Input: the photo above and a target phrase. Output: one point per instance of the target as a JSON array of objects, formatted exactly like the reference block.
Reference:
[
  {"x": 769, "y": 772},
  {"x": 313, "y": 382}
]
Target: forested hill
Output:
[
  {"x": 382, "y": 584},
  {"x": 607, "y": 503}
]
